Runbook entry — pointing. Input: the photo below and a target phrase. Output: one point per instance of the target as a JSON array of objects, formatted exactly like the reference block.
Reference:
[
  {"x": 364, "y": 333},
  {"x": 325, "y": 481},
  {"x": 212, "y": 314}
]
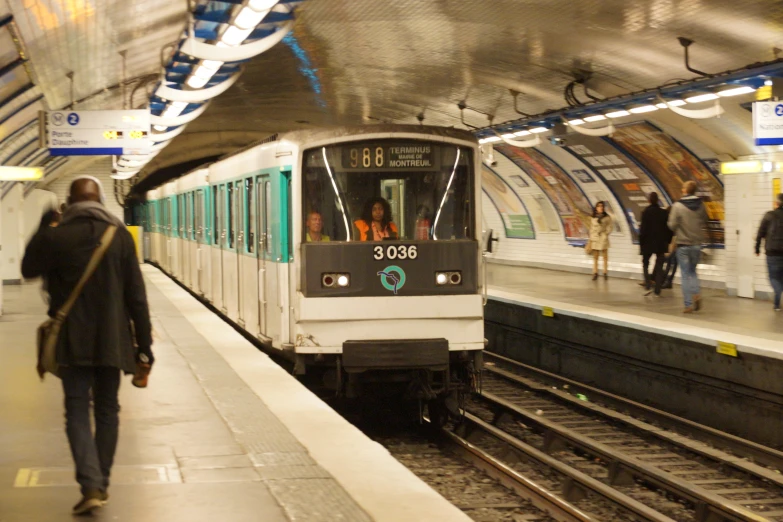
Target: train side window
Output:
[
  {"x": 268, "y": 217},
  {"x": 250, "y": 222},
  {"x": 230, "y": 216}
]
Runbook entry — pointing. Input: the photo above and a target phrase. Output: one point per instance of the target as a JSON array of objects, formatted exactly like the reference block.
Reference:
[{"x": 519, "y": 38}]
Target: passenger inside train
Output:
[
  {"x": 315, "y": 225},
  {"x": 376, "y": 222}
]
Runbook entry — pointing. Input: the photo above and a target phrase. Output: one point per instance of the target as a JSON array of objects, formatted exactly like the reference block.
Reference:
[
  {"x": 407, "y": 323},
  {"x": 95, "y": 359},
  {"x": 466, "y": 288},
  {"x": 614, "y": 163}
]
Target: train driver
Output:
[
  {"x": 376, "y": 222},
  {"x": 315, "y": 225}
]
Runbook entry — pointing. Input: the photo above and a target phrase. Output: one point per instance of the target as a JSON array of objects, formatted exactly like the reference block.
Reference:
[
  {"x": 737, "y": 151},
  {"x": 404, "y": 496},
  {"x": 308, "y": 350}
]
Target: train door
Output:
[
  {"x": 182, "y": 250},
  {"x": 239, "y": 232},
  {"x": 223, "y": 239},
  {"x": 198, "y": 216},
  {"x": 169, "y": 222},
  {"x": 261, "y": 188},
  {"x": 248, "y": 276},
  {"x": 229, "y": 254},
  {"x": 216, "y": 248}
]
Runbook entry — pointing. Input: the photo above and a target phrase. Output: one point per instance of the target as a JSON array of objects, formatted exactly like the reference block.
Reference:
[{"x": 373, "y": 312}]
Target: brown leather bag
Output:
[{"x": 49, "y": 331}]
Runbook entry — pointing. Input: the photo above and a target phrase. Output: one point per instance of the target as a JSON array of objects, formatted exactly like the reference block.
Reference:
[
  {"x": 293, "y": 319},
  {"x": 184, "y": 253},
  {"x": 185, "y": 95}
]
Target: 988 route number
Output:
[{"x": 395, "y": 252}]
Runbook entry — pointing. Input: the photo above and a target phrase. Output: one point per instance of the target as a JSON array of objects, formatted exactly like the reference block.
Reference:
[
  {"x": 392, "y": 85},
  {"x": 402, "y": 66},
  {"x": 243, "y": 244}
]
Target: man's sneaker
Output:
[
  {"x": 688, "y": 310},
  {"x": 104, "y": 497},
  {"x": 697, "y": 302},
  {"x": 90, "y": 500},
  {"x": 777, "y": 309}
]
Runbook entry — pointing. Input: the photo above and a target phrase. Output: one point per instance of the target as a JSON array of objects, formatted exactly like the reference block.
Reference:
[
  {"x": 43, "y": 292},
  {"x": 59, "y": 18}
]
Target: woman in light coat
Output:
[{"x": 600, "y": 228}]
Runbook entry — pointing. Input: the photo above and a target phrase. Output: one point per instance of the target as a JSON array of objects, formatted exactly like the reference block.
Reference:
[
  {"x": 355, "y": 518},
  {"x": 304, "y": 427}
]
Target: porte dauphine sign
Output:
[{"x": 96, "y": 133}]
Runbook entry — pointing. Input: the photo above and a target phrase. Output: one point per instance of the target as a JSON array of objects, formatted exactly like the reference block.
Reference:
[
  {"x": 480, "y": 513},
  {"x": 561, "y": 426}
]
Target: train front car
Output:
[{"x": 390, "y": 289}]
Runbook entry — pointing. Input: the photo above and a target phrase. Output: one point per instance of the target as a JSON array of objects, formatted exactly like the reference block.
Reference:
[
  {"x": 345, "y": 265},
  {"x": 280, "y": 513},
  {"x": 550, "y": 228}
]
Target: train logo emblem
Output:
[{"x": 392, "y": 278}]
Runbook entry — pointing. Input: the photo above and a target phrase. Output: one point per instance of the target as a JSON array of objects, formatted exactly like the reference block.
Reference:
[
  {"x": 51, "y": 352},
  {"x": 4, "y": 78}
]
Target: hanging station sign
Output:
[
  {"x": 96, "y": 133},
  {"x": 768, "y": 123}
]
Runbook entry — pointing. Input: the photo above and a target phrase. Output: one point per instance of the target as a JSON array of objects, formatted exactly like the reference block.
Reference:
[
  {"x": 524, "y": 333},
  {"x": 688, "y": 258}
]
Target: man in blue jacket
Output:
[
  {"x": 688, "y": 221},
  {"x": 771, "y": 231}
]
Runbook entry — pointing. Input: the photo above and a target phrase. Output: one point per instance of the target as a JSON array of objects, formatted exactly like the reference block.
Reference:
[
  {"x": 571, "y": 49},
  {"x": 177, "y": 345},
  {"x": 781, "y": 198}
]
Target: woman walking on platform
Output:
[{"x": 600, "y": 228}]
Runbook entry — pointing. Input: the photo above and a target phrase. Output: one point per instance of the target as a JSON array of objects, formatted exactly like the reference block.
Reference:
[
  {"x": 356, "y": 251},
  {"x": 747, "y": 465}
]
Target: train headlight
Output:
[
  {"x": 448, "y": 278},
  {"x": 335, "y": 280}
]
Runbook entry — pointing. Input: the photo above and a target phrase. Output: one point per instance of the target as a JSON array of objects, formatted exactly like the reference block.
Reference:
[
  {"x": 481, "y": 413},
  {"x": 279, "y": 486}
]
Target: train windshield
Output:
[{"x": 386, "y": 190}]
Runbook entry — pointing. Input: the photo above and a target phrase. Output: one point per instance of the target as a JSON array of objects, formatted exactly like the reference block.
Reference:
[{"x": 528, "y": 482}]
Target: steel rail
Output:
[
  {"x": 575, "y": 479},
  {"x": 717, "y": 439},
  {"x": 540, "y": 497},
  {"x": 709, "y": 506}
]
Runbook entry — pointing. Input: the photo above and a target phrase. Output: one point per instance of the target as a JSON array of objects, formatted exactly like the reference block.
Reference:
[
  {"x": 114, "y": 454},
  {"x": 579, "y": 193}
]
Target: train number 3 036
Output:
[{"x": 395, "y": 252}]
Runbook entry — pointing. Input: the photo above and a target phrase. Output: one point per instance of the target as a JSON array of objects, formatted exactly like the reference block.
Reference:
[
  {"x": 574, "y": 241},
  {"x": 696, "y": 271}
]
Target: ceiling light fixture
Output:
[
  {"x": 736, "y": 91},
  {"x": 522, "y": 133},
  {"x": 262, "y": 5},
  {"x": 249, "y": 18},
  {"x": 673, "y": 103},
  {"x": 576, "y": 122},
  {"x": 197, "y": 83},
  {"x": 618, "y": 114},
  {"x": 538, "y": 129},
  {"x": 234, "y": 35},
  {"x": 20, "y": 173},
  {"x": 642, "y": 109},
  {"x": 596, "y": 117},
  {"x": 702, "y": 98}
]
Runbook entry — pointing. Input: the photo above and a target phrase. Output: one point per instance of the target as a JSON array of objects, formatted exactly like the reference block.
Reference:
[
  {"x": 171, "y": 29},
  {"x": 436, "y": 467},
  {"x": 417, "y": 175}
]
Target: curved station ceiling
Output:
[{"x": 218, "y": 75}]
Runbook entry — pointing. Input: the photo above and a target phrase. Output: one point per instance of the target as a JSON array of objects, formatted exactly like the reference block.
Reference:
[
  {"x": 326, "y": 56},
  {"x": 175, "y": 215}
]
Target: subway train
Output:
[{"x": 282, "y": 238}]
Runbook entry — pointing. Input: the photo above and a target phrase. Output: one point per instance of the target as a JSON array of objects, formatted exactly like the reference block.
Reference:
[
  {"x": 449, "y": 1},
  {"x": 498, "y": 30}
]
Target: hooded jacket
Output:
[
  {"x": 99, "y": 330},
  {"x": 688, "y": 221},
  {"x": 771, "y": 231}
]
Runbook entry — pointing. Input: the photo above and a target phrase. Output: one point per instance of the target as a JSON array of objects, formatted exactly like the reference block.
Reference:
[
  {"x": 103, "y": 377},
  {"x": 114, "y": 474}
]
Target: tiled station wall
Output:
[{"x": 550, "y": 249}]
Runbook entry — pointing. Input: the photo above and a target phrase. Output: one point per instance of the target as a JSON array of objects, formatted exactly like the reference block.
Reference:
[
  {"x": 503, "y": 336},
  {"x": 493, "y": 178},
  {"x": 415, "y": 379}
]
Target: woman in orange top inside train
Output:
[{"x": 376, "y": 222}]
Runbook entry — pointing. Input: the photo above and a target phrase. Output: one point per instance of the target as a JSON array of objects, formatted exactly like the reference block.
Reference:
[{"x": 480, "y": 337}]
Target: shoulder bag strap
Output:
[{"x": 95, "y": 260}]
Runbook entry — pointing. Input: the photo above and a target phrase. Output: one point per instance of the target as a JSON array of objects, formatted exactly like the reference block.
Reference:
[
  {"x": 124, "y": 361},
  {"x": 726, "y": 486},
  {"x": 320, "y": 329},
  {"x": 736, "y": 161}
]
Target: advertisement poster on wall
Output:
[
  {"x": 625, "y": 179},
  {"x": 672, "y": 165},
  {"x": 516, "y": 220},
  {"x": 569, "y": 201}
]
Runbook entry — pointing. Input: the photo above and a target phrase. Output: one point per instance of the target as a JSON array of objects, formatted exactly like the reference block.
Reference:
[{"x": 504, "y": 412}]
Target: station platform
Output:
[
  {"x": 751, "y": 324},
  {"x": 720, "y": 366},
  {"x": 221, "y": 433}
]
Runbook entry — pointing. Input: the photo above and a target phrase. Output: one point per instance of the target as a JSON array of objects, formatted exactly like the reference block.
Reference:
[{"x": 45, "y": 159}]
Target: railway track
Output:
[{"x": 673, "y": 476}]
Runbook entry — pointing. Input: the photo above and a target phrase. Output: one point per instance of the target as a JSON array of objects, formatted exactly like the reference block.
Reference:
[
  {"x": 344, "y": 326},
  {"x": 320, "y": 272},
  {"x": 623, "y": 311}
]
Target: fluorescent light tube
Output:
[
  {"x": 234, "y": 35},
  {"x": 159, "y": 128},
  {"x": 702, "y": 98},
  {"x": 576, "y": 122},
  {"x": 507, "y": 136},
  {"x": 736, "y": 91},
  {"x": 673, "y": 103},
  {"x": 642, "y": 109},
  {"x": 203, "y": 72},
  {"x": 212, "y": 64},
  {"x": 20, "y": 173},
  {"x": 522, "y": 133},
  {"x": 538, "y": 129},
  {"x": 262, "y": 5},
  {"x": 248, "y": 18},
  {"x": 197, "y": 82},
  {"x": 491, "y": 139},
  {"x": 597, "y": 117},
  {"x": 618, "y": 114}
]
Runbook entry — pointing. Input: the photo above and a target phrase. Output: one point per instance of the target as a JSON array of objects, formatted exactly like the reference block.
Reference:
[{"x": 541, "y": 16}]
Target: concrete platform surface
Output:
[
  {"x": 221, "y": 433},
  {"x": 751, "y": 324}
]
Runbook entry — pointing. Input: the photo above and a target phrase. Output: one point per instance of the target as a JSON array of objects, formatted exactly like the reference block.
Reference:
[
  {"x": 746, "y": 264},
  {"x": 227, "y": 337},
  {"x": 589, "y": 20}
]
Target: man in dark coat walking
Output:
[
  {"x": 654, "y": 238},
  {"x": 96, "y": 342}
]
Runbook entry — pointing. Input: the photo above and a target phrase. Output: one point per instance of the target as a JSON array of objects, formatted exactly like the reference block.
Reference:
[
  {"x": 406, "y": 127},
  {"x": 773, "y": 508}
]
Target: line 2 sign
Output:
[{"x": 379, "y": 253}]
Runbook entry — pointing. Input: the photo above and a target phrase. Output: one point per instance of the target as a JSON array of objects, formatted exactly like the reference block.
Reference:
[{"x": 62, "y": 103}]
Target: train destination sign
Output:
[
  {"x": 391, "y": 156},
  {"x": 93, "y": 133}
]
